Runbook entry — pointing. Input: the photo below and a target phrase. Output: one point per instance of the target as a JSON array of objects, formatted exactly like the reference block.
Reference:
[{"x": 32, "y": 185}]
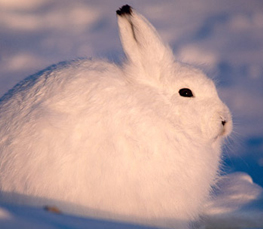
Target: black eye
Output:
[{"x": 185, "y": 92}]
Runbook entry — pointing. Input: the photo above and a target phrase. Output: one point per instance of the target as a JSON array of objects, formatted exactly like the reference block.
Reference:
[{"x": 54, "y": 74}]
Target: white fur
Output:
[{"x": 118, "y": 141}]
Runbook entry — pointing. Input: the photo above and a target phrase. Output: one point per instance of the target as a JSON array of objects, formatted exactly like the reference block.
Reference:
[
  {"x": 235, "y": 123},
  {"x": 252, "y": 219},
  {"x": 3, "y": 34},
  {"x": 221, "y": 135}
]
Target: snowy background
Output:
[{"x": 224, "y": 38}]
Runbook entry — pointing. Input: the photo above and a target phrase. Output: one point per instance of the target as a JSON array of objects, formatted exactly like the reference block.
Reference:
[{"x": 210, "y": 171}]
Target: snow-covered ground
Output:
[
  {"x": 224, "y": 38},
  {"x": 237, "y": 203}
]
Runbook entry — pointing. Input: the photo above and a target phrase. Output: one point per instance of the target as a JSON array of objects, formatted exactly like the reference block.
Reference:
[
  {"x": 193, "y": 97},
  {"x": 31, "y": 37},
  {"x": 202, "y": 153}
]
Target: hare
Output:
[{"x": 140, "y": 142}]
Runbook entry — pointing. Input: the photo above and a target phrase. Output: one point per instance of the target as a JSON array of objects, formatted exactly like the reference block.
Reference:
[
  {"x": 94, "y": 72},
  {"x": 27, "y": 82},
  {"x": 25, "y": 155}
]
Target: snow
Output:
[
  {"x": 222, "y": 37},
  {"x": 29, "y": 217},
  {"x": 237, "y": 202}
]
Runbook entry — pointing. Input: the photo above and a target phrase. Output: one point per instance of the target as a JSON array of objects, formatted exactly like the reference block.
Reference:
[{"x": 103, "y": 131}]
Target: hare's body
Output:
[{"x": 120, "y": 141}]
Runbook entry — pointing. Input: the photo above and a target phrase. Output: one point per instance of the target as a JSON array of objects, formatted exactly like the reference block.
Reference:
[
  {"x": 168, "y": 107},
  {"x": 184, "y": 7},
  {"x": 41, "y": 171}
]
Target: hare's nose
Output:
[{"x": 223, "y": 122}]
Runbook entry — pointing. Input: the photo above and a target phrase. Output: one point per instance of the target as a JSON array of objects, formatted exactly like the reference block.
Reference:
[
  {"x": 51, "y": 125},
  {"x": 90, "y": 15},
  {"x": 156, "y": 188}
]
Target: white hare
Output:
[{"x": 139, "y": 142}]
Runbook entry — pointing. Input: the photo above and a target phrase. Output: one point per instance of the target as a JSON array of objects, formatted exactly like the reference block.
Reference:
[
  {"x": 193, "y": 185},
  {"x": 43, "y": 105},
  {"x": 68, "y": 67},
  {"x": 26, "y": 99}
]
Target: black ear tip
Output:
[{"x": 126, "y": 9}]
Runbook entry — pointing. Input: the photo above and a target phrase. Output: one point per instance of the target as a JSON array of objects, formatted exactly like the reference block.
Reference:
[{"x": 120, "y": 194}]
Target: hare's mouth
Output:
[
  {"x": 226, "y": 128},
  {"x": 224, "y": 131}
]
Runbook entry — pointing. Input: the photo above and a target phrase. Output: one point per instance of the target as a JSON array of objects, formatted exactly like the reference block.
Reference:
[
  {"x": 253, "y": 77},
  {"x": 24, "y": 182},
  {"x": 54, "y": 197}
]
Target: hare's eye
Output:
[{"x": 185, "y": 92}]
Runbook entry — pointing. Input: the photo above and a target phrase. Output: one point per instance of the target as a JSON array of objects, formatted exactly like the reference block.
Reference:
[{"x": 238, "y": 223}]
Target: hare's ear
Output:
[{"x": 141, "y": 43}]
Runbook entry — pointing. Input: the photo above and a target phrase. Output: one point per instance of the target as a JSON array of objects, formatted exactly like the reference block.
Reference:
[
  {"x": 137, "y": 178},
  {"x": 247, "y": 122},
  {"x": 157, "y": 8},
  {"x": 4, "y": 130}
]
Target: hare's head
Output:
[{"x": 196, "y": 106}]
